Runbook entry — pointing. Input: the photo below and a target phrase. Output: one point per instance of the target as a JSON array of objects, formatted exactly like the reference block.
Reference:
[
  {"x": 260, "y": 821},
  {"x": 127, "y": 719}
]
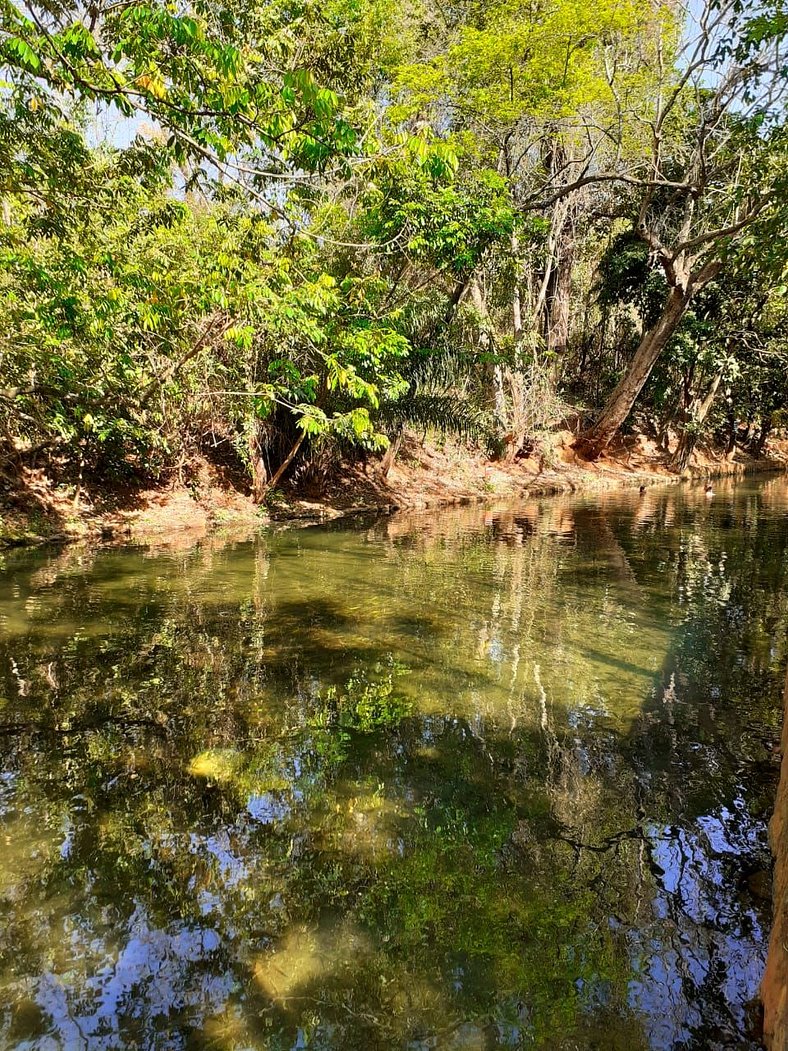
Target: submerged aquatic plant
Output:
[{"x": 367, "y": 703}]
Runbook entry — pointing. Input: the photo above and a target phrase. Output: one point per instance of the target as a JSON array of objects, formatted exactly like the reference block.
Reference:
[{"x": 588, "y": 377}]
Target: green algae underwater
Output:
[{"x": 467, "y": 779}]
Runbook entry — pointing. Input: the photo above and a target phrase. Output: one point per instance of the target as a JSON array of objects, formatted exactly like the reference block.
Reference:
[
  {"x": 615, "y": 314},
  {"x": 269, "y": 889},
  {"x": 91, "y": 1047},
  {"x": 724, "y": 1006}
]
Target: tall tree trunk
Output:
[
  {"x": 730, "y": 448},
  {"x": 485, "y": 346},
  {"x": 558, "y": 297},
  {"x": 763, "y": 433},
  {"x": 517, "y": 307},
  {"x": 456, "y": 296},
  {"x": 620, "y": 402}
]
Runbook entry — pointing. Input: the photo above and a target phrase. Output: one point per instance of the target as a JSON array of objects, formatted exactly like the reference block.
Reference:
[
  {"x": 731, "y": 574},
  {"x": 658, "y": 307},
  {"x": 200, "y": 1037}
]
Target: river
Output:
[{"x": 467, "y": 779}]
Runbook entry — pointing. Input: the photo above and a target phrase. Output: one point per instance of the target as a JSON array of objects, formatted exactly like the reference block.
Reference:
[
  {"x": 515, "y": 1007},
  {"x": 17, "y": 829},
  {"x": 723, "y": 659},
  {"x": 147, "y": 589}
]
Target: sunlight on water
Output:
[{"x": 472, "y": 779}]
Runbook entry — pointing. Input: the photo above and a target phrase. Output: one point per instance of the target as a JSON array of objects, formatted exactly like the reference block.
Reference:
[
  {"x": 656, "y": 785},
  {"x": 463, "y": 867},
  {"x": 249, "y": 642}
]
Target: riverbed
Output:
[{"x": 474, "y": 778}]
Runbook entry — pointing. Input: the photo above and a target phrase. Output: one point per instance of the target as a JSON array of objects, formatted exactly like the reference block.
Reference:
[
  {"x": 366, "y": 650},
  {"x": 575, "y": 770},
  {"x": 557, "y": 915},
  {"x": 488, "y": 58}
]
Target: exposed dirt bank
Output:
[
  {"x": 426, "y": 474},
  {"x": 774, "y": 988},
  {"x": 431, "y": 475},
  {"x": 33, "y": 510}
]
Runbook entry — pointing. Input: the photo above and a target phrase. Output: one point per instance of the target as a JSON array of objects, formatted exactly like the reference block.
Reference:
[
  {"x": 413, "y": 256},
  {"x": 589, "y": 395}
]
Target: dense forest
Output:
[{"x": 277, "y": 234}]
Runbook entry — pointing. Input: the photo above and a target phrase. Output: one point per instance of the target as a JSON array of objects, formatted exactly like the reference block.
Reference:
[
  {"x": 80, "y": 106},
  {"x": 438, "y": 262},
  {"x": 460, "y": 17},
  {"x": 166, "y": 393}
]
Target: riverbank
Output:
[{"x": 426, "y": 474}]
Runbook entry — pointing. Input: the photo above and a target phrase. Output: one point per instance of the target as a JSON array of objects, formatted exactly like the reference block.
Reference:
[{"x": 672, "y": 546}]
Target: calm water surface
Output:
[{"x": 465, "y": 780}]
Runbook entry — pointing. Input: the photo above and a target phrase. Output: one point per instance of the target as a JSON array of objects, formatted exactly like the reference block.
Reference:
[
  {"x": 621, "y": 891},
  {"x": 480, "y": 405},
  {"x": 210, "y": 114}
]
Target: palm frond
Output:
[{"x": 447, "y": 413}]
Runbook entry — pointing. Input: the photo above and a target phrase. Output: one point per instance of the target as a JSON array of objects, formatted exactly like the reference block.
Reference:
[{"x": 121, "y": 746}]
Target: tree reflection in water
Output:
[{"x": 473, "y": 780}]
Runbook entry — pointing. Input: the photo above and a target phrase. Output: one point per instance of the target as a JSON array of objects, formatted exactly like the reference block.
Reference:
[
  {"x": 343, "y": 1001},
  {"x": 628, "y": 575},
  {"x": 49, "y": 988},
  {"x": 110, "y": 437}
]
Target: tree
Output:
[
  {"x": 715, "y": 164},
  {"x": 138, "y": 320}
]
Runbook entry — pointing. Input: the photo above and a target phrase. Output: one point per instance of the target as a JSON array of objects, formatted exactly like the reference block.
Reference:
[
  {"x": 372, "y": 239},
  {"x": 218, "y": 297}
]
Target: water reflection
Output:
[{"x": 476, "y": 779}]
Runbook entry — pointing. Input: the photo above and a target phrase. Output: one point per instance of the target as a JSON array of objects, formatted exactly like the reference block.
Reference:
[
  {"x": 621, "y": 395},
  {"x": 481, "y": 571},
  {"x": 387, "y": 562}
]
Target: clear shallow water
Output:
[{"x": 464, "y": 780}]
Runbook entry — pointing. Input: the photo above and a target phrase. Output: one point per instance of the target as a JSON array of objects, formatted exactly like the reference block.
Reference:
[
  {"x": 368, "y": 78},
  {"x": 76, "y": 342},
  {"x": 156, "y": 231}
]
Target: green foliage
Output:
[
  {"x": 504, "y": 64},
  {"x": 217, "y": 78},
  {"x": 625, "y": 275},
  {"x": 367, "y": 703},
  {"x": 139, "y": 323},
  {"x": 311, "y": 225},
  {"x": 446, "y": 223}
]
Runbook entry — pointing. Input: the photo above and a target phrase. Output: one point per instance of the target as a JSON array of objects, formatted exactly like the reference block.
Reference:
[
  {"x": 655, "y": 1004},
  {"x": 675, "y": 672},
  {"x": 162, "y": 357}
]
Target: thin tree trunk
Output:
[
  {"x": 559, "y": 299},
  {"x": 458, "y": 294},
  {"x": 763, "y": 433},
  {"x": 391, "y": 453},
  {"x": 730, "y": 449},
  {"x": 663, "y": 433},
  {"x": 485, "y": 346},
  {"x": 540, "y": 317},
  {"x": 517, "y": 309},
  {"x": 697, "y": 414},
  {"x": 259, "y": 471},
  {"x": 558, "y": 331},
  {"x": 621, "y": 401},
  {"x": 276, "y": 477}
]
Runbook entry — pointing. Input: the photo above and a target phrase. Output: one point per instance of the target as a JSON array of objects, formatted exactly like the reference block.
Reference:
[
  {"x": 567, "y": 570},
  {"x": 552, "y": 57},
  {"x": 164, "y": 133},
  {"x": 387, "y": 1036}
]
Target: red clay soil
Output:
[
  {"x": 35, "y": 510},
  {"x": 774, "y": 988},
  {"x": 429, "y": 474},
  {"x": 425, "y": 474}
]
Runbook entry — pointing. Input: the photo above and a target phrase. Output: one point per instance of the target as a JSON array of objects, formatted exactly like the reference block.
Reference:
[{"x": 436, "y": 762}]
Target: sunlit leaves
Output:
[
  {"x": 15, "y": 49},
  {"x": 148, "y": 322},
  {"x": 213, "y": 89},
  {"x": 451, "y": 223},
  {"x": 511, "y": 64}
]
